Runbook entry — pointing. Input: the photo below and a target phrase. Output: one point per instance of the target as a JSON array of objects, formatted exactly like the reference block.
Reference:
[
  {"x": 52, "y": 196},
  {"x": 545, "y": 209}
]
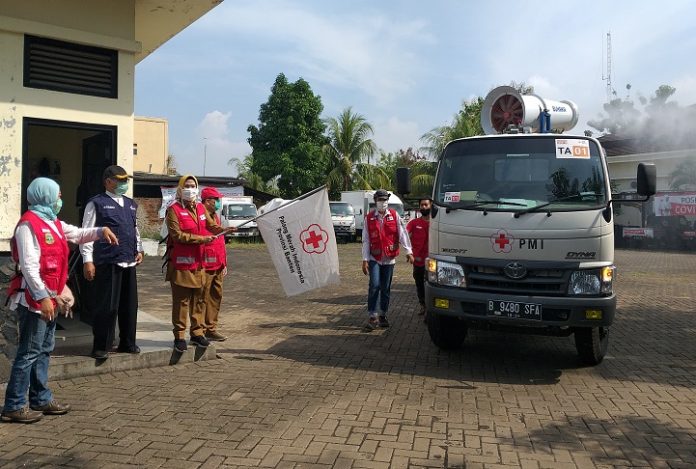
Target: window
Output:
[{"x": 70, "y": 68}]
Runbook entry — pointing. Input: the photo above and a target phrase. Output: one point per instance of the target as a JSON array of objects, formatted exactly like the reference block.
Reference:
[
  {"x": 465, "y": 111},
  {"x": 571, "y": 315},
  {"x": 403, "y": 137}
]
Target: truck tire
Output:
[
  {"x": 591, "y": 344},
  {"x": 446, "y": 332}
]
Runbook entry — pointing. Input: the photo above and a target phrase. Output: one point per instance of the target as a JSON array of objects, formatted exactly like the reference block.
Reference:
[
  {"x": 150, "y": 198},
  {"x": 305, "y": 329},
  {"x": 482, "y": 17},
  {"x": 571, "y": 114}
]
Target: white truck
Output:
[
  {"x": 523, "y": 236},
  {"x": 237, "y": 210},
  {"x": 343, "y": 219},
  {"x": 362, "y": 202}
]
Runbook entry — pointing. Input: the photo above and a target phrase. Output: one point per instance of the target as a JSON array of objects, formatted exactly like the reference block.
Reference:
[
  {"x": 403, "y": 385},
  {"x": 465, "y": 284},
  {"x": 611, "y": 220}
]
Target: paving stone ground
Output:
[{"x": 298, "y": 384}]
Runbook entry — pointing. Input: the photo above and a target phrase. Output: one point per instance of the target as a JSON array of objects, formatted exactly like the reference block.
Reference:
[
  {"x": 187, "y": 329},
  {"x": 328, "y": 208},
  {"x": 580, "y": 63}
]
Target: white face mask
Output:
[
  {"x": 189, "y": 193},
  {"x": 381, "y": 205}
]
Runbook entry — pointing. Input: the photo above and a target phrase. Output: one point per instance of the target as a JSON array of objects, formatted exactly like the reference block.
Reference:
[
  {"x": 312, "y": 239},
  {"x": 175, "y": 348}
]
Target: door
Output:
[{"x": 97, "y": 155}]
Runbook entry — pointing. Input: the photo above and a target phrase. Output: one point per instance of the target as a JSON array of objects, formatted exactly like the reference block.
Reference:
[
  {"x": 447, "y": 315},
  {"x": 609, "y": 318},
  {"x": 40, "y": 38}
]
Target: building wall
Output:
[
  {"x": 150, "y": 138},
  {"x": 622, "y": 168},
  {"x": 107, "y": 23}
]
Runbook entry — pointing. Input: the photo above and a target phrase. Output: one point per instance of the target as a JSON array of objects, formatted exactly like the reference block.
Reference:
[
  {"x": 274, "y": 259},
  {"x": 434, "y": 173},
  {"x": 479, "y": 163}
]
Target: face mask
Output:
[
  {"x": 121, "y": 188},
  {"x": 189, "y": 193},
  {"x": 57, "y": 206},
  {"x": 217, "y": 205},
  {"x": 425, "y": 212},
  {"x": 381, "y": 205}
]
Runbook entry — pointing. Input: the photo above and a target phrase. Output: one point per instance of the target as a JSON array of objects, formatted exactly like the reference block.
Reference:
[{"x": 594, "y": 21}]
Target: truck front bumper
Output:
[
  {"x": 244, "y": 233},
  {"x": 566, "y": 311}
]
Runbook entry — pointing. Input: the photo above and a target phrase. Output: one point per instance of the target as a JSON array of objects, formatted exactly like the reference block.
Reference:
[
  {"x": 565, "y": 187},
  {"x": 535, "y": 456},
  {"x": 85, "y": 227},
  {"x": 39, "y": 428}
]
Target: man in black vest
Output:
[{"x": 112, "y": 267}]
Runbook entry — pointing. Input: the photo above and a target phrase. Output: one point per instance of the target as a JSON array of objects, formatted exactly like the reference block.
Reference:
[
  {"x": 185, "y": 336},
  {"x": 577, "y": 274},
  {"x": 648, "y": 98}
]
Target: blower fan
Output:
[{"x": 504, "y": 106}]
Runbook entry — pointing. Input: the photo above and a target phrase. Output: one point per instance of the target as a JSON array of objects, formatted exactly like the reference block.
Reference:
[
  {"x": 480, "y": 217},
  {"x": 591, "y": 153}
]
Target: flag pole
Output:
[{"x": 303, "y": 196}]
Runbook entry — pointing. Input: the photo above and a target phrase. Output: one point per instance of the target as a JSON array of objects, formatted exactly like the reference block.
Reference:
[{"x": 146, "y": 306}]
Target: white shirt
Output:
[
  {"x": 404, "y": 240},
  {"x": 89, "y": 220},
  {"x": 30, "y": 253}
]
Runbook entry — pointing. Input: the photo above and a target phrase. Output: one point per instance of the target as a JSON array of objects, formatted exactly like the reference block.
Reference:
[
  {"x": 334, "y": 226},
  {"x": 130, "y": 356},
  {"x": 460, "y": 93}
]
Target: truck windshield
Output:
[
  {"x": 341, "y": 210},
  {"x": 239, "y": 211},
  {"x": 521, "y": 173}
]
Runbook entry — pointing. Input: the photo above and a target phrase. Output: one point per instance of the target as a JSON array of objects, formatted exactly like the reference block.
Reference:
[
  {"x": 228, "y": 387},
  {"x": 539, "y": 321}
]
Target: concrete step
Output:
[{"x": 71, "y": 357}]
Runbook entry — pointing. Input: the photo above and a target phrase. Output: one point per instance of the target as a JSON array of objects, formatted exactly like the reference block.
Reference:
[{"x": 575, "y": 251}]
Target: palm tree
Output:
[
  {"x": 684, "y": 175},
  {"x": 349, "y": 144},
  {"x": 251, "y": 179},
  {"x": 466, "y": 123}
]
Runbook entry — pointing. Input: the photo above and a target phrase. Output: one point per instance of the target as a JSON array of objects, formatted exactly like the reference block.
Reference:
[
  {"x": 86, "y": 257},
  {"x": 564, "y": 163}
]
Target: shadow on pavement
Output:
[{"x": 630, "y": 441}]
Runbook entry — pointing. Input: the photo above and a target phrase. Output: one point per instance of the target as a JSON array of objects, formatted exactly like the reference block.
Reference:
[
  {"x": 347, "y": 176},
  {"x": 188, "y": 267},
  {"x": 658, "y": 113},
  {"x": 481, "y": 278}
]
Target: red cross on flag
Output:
[{"x": 301, "y": 241}]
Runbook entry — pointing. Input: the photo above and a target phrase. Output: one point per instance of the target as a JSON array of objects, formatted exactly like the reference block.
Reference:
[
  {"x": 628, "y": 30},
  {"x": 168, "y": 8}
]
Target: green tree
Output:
[
  {"x": 466, "y": 123},
  {"x": 684, "y": 175},
  {"x": 288, "y": 141},
  {"x": 349, "y": 143},
  {"x": 252, "y": 179}
]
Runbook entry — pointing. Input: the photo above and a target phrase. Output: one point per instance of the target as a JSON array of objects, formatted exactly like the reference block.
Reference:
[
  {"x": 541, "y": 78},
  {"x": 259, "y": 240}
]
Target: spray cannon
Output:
[{"x": 505, "y": 106}]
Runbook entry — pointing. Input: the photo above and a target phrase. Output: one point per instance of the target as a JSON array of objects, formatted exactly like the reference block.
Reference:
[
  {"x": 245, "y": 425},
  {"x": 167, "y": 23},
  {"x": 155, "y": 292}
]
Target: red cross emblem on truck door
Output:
[
  {"x": 502, "y": 241},
  {"x": 314, "y": 239}
]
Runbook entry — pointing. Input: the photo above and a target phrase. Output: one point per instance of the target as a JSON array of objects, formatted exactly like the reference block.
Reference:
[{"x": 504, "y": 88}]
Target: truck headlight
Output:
[
  {"x": 592, "y": 282},
  {"x": 445, "y": 273}
]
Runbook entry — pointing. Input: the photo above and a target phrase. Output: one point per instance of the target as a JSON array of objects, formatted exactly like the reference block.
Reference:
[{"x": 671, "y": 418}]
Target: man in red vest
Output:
[
  {"x": 215, "y": 266},
  {"x": 418, "y": 233},
  {"x": 383, "y": 232}
]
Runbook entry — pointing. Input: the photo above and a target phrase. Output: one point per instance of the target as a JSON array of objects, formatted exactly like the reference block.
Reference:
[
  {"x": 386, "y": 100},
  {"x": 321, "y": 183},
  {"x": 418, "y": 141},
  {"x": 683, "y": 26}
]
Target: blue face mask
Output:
[
  {"x": 121, "y": 188},
  {"x": 217, "y": 205},
  {"x": 57, "y": 206}
]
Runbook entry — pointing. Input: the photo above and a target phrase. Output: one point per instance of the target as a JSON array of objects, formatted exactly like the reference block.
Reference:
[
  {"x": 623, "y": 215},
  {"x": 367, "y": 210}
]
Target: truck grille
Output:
[{"x": 551, "y": 282}]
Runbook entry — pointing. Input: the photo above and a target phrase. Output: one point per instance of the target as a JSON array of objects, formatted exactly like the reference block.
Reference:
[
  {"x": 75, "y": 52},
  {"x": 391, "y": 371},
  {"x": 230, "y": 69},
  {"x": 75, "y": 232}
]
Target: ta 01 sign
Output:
[{"x": 573, "y": 148}]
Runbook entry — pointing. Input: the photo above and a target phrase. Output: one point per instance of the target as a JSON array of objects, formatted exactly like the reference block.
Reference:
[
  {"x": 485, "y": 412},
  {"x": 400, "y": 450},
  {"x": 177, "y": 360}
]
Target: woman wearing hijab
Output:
[
  {"x": 190, "y": 227},
  {"x": 40, "y": 248}
]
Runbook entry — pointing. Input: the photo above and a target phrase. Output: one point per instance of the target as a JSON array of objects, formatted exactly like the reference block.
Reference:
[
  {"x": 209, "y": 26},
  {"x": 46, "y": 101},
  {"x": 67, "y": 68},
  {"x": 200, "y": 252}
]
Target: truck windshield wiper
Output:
[
  {"x": 478, "y": 203},
  {"x": 561, "y": 199},
  {"x": 475, "y": 204}
]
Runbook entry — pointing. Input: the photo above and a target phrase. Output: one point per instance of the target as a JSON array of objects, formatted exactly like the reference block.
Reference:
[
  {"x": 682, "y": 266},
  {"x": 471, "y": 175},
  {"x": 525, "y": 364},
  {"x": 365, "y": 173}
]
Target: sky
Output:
[{"x": 406, "y": 66}]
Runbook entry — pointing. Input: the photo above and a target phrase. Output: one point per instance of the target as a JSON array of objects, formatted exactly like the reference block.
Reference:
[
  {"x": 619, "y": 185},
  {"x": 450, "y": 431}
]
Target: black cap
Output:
[
  {"x": 381, "y": 194},
  {"x": 115, "y": 172}
]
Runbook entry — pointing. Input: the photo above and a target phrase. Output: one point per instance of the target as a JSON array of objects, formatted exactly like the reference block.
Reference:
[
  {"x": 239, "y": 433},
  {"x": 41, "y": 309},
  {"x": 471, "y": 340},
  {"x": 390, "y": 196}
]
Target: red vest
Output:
[
  {"x": 53, "y": 263},
  {"x": 186, "y": 256},
  {"x": 418, "y": 231},
  {"x": 214, "y": 253},
  {"x": 384, "y": 241}
]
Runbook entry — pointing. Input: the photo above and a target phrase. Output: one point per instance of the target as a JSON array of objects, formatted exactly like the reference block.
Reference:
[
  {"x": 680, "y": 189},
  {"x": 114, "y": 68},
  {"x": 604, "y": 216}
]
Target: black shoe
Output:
[
  {"x": 100, "y": 354},
  {"x": 383, "y": 321},
  {"x": 199, "y": 341},
  {"x": 133, "y": 349},
  {"x": 180, "y": 345},
  {"x": 52, "y": 408}
]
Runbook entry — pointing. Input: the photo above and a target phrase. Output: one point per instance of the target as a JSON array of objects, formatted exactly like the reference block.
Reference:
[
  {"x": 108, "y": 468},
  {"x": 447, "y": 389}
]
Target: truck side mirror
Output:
[
  {"x": 646, "y": 179},
  {"x": 403, "y": 180}
]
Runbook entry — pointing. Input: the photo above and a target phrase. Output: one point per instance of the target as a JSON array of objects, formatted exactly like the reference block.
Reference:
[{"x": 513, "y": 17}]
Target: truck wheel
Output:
[
  {"x": 446, "y": 332},
  {"x": 591, "y": 344}
]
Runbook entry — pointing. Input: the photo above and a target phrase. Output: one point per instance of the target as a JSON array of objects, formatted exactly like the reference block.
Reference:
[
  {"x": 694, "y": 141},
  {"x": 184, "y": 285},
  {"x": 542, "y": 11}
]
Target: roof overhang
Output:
[{"x": 157, "y": 21}]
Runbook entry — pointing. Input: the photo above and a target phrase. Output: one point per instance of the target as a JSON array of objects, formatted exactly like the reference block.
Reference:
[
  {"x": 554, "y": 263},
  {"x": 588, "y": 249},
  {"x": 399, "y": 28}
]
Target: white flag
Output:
[{"x": 302, "y": 243}]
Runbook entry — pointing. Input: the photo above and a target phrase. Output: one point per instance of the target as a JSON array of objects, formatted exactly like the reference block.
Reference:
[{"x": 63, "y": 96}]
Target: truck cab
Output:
[
  {"x": 363, "y": 201},
  {"x": 343, "y": 219},
  {"x": 238, "y": 211},
  {"x": 523, "y": 238}
]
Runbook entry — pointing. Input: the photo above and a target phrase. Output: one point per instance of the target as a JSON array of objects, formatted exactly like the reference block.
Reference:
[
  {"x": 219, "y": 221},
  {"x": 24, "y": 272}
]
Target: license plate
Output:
[{"x": 514, "y": 309}]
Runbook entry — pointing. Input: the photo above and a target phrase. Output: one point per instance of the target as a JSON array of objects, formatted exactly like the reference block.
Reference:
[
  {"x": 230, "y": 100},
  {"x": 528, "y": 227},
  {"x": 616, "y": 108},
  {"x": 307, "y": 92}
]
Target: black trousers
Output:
[
  {"x": 419, "y": 277},
  {"x": 115, "y": 295}
]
